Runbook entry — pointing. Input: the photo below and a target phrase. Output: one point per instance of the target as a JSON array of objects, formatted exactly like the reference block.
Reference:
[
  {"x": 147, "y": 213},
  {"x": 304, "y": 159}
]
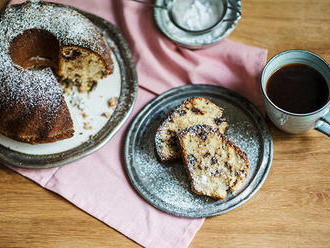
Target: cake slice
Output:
[
  {"x": 215, "y": 164},
  {"x": 194, "y": 111}
]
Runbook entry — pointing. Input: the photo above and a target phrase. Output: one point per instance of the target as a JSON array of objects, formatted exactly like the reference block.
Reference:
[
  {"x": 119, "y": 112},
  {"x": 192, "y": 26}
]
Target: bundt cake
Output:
[
  {"x": 43, "y": 44},
  {"x": 194, "y": 111},
  {"x": 214, "y": 164}
]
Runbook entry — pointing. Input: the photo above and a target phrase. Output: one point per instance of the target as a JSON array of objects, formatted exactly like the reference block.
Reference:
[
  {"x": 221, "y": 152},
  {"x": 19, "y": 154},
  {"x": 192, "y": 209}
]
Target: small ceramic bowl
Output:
[{"x": 293, "y": 122}]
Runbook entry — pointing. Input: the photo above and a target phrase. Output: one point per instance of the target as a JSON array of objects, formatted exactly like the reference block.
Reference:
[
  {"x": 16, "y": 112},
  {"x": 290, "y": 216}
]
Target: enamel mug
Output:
[{"x": 293, "y": 122}]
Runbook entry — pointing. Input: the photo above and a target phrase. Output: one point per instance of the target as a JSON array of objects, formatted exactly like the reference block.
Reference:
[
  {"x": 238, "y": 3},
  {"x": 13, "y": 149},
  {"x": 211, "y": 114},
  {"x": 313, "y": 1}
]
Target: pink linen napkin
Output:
[{"x": 98, "y": 184}]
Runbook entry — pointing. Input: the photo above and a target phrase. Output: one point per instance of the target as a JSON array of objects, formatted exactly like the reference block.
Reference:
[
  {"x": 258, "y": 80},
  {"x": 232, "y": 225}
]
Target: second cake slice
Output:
[{"x": 214, "y": 164}]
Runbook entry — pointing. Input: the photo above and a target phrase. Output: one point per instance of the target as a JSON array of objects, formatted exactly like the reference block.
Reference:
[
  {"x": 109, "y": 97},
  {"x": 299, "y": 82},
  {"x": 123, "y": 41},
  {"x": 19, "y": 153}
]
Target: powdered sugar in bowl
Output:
[
  {"x": 197, "y": 15},
  {"x": 197, "y": 23}
]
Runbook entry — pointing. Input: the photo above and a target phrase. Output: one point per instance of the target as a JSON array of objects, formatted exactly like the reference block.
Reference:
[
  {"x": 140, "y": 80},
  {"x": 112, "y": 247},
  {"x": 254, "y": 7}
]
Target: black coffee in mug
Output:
[{"x": 298, "y": 88}]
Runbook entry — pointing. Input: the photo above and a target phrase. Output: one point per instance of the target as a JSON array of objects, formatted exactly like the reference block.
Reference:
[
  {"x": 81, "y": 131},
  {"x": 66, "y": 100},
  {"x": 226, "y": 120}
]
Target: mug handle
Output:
[{"x": 323, "y": 124}]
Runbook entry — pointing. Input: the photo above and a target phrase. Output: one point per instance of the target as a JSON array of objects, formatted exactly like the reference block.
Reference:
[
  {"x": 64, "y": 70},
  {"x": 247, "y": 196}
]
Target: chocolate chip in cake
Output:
[
  {"x": 233, "y": 185},
  {"x": 219, "y": 120},
  {"x": 206, "y": 155},
  {"x": 70, "y": 54},
  {"x": 203, "y": 135},
  {"x": 228, "y": 166},
  {"x": 171, "y": 132},
  {"x": 92, "y": 85},
  {"x": 173, "y": 142},
  {"x": 216, "y": 173},
  {"x": 181, "y": 112},
  {"x": 192, "y": 160},
  {"x": 75, "y": 54},
  {"x": 214, "y": 160},
  {"x": 196, "y": 111}
]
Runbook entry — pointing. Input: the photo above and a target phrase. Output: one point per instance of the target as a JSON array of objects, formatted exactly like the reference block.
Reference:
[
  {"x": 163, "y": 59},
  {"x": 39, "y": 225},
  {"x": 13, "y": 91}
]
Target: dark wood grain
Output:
[{"x": 292, "y": 209}]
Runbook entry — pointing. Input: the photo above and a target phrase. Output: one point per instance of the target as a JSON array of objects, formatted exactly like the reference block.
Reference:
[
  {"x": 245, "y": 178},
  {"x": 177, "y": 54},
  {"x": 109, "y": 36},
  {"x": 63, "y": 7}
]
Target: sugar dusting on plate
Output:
[{"x": 167, "y": 185}]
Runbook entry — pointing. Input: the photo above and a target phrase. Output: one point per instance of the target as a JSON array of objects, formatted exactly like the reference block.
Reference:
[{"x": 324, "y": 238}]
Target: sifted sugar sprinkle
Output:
[{"x": 34, "y": 88}]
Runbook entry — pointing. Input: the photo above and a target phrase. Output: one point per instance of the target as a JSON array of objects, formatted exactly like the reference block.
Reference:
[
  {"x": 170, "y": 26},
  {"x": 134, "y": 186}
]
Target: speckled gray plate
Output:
[
  {"x": 193, "y": 40},
  {"x": 166, "y": 186},
  {"x": 125, "y": 104}
]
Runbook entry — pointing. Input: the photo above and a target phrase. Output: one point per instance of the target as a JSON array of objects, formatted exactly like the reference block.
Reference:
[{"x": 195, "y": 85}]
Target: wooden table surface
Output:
[{"x": 292, "y": 209}]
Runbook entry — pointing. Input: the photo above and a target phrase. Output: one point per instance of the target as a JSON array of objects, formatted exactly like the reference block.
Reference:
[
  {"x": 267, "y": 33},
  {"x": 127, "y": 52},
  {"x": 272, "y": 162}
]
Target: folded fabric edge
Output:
[{"x": 31, "y": 173}]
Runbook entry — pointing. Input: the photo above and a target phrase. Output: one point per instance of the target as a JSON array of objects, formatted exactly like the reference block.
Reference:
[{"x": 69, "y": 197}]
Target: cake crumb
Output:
[
  {"x": 106, "y": 115},
  {"x": 82, "y": 88},
  {"x": 113, "y": 102},
  {"x": 91, "y": 137},
  {"x": 67, "y": 86},
  {"x": 68, "y": 90},
  {"x": 87, "y": 126},
  {"x": 84, "y": 115}
]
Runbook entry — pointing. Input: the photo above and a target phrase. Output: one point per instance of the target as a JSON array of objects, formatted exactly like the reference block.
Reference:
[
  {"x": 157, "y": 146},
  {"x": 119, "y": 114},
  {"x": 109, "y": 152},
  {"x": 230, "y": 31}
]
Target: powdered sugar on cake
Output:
[
  {"x": 39, "y": 86},
  {"x": 35, "y": 91},
  {"x": 56, "y": 19}
]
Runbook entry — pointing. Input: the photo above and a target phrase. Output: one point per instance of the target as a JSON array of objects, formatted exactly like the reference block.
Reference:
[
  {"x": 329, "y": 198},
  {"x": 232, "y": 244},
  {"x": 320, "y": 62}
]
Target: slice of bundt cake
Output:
[
  {"x": 215, "y": 165},
  {"x": 194, "y": 111}
]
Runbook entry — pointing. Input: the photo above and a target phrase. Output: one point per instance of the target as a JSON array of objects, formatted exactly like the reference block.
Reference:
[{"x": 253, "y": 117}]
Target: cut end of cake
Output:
[
  {"x": 82, "y": 67},
  {"x": 214, "y": 164}
]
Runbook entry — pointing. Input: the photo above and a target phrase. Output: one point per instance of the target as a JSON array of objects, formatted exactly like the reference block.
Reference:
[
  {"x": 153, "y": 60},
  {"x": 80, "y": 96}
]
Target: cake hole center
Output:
[{"x": 35, "y": 49}]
